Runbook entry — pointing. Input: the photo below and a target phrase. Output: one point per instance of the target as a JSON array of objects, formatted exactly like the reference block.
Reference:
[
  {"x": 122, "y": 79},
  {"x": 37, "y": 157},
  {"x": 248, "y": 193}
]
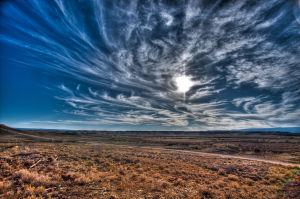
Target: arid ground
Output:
[{"x": 90, "y": 164}]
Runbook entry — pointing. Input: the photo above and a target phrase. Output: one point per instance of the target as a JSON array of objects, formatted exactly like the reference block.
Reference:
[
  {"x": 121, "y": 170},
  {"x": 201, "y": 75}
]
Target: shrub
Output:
[
  {"x": 69, "y": 176},
  {"x": 4, "y": 185},
  {"x": 32, "y": 178},
  {"x": 205, "y": 192},
  {"x": 82, "y": 179},
  {"x": 233, "y": 177},
  {"x": 221, "y": 172},
  {"x": 248, "y": 181}
]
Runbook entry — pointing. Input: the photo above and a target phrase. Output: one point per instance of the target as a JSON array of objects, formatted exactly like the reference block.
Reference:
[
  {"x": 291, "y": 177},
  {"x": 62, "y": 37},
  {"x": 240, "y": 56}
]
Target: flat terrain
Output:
[{"x": 86, "y": 164}]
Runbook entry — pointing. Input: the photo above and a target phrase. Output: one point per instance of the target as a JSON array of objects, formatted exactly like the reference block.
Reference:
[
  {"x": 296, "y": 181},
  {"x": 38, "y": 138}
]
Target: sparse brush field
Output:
[
  {"x": 89, "y": 164},
  {"x": 79, "y": 170}
]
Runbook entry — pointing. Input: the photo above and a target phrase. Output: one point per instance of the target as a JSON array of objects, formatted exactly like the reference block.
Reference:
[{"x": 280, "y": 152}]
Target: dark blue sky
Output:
[{"x": 124, "y": 65}]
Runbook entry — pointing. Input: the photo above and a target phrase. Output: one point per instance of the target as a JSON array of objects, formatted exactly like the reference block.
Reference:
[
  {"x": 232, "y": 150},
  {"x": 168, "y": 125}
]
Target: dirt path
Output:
[
  {"x": 231, "y": 156},
  {"x": 32, "y": 136},
  {"x": 206, "y": 154}
]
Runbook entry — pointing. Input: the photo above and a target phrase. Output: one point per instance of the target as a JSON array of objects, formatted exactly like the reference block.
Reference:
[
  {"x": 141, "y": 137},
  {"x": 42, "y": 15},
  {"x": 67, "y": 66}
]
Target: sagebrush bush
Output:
[{"x": 27, "y": 177}]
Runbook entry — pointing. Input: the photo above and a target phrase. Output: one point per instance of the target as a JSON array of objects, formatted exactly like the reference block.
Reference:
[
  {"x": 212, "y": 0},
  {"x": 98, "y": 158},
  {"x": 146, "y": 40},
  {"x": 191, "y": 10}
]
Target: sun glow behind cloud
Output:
[{"x": 183, "y": 83}]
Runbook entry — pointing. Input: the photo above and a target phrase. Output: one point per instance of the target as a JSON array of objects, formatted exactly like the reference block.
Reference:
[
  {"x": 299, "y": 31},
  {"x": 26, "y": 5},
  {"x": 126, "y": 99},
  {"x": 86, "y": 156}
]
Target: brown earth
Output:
[{"x": 53, "y": 164}]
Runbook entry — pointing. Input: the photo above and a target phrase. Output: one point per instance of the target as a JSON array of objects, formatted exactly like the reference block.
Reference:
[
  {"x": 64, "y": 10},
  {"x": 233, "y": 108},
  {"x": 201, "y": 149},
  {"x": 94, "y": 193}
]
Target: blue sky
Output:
[{"x": 115, "y": 65}]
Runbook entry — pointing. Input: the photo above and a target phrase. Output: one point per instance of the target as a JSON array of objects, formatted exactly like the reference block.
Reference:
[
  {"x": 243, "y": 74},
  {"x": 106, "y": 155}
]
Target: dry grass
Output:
[
  {"x": 109, "y": 171},
  {"x": 25, "y": 176}
]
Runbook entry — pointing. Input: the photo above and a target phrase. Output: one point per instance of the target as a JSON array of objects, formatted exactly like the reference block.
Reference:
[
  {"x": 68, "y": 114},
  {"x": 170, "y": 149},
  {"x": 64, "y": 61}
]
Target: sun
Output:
[{"x": 183, "y": 83}]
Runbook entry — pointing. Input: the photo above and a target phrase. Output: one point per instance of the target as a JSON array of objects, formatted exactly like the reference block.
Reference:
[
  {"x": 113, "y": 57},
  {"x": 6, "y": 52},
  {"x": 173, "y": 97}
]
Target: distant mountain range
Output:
[
  {"x": 279, "y": 129},
  {"x": 282, "y": 129}
]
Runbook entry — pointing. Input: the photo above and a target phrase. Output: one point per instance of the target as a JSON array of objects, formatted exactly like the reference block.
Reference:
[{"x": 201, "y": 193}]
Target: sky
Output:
[{"x": 150, "y": 65}]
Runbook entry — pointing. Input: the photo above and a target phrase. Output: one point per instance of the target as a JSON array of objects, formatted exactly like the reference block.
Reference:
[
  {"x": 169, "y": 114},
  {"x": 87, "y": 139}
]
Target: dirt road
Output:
[
  {"x": 29, "y": 135},
  {"x": 230, "y": 156},
  {"x": 206, "y": 154}
]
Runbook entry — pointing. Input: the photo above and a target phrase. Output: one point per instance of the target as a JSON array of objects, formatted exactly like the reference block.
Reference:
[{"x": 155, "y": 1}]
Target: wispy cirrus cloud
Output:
[{"x": 121, "y": 59}]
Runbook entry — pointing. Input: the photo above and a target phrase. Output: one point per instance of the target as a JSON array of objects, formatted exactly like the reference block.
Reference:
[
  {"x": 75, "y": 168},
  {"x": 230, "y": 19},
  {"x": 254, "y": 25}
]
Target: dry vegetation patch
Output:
[{"x": 108, "y": 171}]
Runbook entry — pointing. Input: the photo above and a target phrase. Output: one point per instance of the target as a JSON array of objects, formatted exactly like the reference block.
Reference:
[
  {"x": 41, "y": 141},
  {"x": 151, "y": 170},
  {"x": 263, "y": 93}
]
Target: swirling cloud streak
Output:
[{"x": 120, "y": 60}]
